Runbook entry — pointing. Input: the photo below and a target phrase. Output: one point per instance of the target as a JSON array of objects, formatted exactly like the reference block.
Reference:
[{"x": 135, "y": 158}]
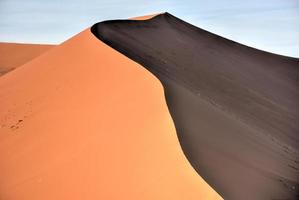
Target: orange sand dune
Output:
[
  {"x": 85, "y": 122},
  {"x": 14, "y": 55}
]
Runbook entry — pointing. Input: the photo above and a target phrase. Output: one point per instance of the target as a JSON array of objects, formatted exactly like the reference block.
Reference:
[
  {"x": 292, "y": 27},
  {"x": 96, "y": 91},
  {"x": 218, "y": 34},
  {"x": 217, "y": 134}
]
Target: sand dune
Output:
[
  {"x": 85, "y": 122},
  {"x": 14, "y": 54},
  {"x": 235, "y": 108}
]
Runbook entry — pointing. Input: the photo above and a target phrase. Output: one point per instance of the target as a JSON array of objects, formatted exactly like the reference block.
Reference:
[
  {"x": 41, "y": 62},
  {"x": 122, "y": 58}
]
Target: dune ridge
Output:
[
  {"x": 84, "y": 122},
  {"x": 235, "y": 108}
]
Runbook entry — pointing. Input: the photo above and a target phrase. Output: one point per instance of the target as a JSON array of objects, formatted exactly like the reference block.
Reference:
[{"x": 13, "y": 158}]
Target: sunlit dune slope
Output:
[
  {"x": 14, "y": 54},
  {"x": 85, "y": 122}
]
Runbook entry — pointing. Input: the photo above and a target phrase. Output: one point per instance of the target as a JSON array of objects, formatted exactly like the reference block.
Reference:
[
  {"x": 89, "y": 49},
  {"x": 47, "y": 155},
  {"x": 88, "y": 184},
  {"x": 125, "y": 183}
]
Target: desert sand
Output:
[
  {"x": 15, "y": 54},
  {"x": 235, "y": 108},
  {"x": 83, "y": 121}
]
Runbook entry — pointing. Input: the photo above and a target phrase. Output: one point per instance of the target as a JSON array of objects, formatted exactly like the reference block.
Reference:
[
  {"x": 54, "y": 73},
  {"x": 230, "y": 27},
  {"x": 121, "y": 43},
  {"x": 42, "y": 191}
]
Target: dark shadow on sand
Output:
[{"x": 235, "y": 108}]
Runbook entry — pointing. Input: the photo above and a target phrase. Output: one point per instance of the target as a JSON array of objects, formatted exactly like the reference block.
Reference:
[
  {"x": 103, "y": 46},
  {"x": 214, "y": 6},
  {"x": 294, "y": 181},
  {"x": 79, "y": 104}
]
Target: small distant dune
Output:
[{"x": 15, "y": 54}]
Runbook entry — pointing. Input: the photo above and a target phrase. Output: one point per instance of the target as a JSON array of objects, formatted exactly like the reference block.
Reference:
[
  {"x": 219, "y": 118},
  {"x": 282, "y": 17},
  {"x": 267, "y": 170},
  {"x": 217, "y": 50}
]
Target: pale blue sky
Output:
[{"x": 271, "y": 25}]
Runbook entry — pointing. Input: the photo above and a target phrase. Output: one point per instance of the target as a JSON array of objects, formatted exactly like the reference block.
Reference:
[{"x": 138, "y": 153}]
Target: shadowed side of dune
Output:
[
  {"x": 235, "y": 108},
  {"x": 14, "y": 54}
]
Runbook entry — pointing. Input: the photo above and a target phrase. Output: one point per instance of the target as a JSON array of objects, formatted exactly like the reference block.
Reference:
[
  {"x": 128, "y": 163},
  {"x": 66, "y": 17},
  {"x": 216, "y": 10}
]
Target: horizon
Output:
[{"x": 271, "y": 25}]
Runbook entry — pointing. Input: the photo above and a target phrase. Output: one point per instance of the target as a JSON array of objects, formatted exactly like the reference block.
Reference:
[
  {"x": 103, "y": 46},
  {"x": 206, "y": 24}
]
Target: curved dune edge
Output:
[
  {"x": 85, "y": 122},
  {"x": 14, "y": 55},
  {"x": 234, "y": 107}
]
